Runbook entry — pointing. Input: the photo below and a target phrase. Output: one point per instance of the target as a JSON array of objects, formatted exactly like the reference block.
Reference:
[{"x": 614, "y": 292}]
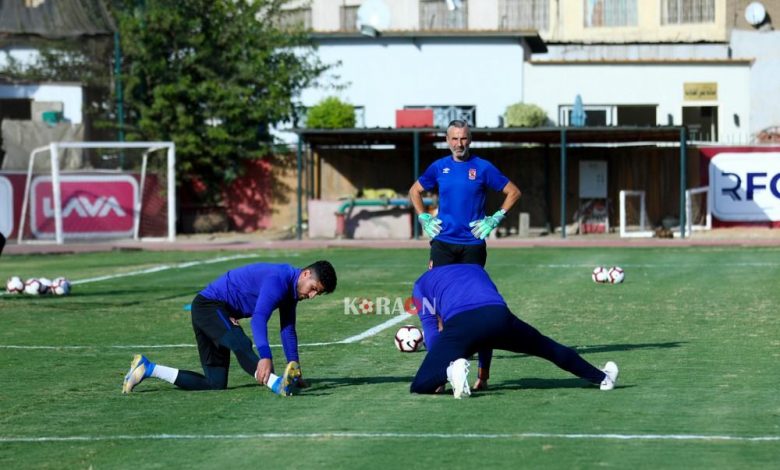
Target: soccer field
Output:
[{"x": 695, "y": 331}]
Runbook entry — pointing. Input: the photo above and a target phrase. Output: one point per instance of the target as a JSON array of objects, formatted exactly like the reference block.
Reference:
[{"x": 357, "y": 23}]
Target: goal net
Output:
[
  {"x": 697, "y": 210},
  {"x": 633, "y": 215},
  {"x": 81, "y": 191}
]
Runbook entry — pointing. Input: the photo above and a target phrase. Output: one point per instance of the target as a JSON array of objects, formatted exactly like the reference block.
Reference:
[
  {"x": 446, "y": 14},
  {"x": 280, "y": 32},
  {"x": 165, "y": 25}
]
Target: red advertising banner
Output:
[{"x": 92, "y": 206}]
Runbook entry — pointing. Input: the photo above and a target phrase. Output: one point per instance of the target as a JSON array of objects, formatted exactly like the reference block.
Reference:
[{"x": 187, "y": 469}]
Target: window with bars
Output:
[
  {"x": 687, "y": 11},
  {"x": 600, "y": 13},
  {"x": 442, "y": 115},
  {"x": 349, "y": 17},
  {"x": 524, "y": 14},
  {"x": 434, "y": 15},
  {"x": 296, "y": 18}
]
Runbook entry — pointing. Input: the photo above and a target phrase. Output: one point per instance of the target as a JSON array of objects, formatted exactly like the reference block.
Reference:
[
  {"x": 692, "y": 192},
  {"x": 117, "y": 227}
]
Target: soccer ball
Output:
[
  {"x": 616, "y": 275},
  {"x": 408, "y": 338},
  {"x": 600, "y": 275},
  {"x": 33, "y": 286},
  {"x": 14, "y": 285},
  {"x": 45, "y": 285},
  {"x": 60, "y": 286}
]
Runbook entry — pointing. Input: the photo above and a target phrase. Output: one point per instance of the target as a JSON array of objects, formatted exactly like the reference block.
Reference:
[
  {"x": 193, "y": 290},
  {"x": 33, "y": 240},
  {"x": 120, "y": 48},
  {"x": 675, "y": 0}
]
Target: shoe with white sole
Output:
[
  {"x": 611, "y": 371},
  {"x": 458, "y": 376},
  {"x": 140, "y": 368}
]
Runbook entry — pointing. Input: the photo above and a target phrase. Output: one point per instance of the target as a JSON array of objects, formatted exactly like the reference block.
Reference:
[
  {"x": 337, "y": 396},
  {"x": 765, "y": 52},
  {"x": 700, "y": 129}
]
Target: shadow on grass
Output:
[
  {"x": 544, "y": 384},
  {"x": 599, "y": 348}
]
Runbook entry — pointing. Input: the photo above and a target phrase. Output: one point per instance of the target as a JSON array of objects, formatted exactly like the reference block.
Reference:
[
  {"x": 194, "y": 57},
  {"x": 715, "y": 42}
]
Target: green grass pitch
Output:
[{"x": 695, "y": 331}]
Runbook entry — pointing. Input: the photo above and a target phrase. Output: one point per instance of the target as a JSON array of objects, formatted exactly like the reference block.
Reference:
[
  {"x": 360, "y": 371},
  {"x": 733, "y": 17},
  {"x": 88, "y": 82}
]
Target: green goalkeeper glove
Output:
[
  {"x": 482, "y": 228},
  {"x": 430, "y": 224}
]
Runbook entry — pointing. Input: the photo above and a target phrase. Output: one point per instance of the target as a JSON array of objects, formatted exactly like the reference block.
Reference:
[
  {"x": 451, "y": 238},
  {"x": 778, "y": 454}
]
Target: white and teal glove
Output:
[
  {"x": 430, "y": 224},
  {"x": 482, "y": 228}
]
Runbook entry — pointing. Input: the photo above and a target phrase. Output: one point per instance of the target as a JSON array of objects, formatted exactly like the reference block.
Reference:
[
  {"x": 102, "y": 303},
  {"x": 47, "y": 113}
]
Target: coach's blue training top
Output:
[
  {"x": 462, "y": 188},
  {"x": 446, "y": 291},
  {"x": 255, "y": 291}
]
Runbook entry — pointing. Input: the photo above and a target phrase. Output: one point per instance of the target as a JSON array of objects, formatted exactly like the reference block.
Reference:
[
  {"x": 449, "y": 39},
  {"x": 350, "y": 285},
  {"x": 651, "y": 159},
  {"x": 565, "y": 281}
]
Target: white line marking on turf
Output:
[
  {"x": 394, "y": 435},
  {"x": 165, "y": 267}
]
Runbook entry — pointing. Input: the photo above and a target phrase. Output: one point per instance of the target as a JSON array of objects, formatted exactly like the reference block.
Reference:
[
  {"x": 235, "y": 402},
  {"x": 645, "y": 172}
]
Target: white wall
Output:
[
  {"x": 551, "y": 85},
  {"x": 386, "y": 74},
  {"x": 70, "y": 95},
  {"x": 764, "y": 48}
]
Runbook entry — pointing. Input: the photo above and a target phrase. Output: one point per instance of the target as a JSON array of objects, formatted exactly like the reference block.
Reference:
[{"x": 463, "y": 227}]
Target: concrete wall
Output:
[
  {"x": 764, "y": 48},
  {"x": 384, "y": 75},
  {"x": 551, "y": 85}
]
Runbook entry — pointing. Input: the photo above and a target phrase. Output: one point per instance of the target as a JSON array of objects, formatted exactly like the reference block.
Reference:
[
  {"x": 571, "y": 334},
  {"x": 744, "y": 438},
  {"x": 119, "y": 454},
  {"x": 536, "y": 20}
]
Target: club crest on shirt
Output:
[
  {"x": 472, "y": 173},
  {"x": 446, "y": 170}
]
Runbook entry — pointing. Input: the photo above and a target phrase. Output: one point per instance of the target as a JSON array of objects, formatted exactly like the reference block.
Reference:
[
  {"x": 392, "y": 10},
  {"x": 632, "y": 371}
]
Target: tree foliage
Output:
[
  {"x": 212, "y": 75},
  {"x": 331, "y": 113},
  {"x": 525, "y": 115}
]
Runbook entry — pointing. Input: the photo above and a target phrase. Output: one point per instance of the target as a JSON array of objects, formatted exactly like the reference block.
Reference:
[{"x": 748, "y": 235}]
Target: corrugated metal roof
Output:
[{"x": 55, "y": 19}]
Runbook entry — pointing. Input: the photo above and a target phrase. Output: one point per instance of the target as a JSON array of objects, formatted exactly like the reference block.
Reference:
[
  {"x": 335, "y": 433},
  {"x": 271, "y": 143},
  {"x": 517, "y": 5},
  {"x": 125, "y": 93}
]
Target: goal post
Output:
[
  {"x": 90, "y": 190},
  {"x": 633, "y": 215},
  {"x": 698, "y": 213}
]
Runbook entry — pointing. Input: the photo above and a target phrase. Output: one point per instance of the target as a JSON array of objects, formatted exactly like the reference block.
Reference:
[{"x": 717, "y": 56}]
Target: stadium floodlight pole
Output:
[
  {"x": 299, "y": 227},
  {"x": 416, "y": 170},
  {"x": 563, "y": 182},
  {"x": 683, "y": 164}
]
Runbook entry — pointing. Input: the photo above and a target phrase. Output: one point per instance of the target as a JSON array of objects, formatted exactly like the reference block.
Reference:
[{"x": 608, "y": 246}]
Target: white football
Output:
[
  {"x": 45, "y": 285},
  {"x": 408, "y": 338},
  {"x": 616, "y": 275},
  {"x": 14, "y": 285},
  {"x": 33, "y": 286},
  {"x": 600, "y": 275},
  {"x": 60, "y": 286}
]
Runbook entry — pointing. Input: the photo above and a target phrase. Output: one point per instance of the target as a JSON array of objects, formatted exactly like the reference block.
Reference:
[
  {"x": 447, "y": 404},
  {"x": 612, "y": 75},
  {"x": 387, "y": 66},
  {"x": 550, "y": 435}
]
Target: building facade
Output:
[{"x": 699, "y": 63}]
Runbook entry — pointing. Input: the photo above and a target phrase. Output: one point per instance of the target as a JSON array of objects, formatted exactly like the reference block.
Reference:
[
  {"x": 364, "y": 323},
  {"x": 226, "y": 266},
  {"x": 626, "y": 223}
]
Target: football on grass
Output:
[
  {"x": 408, "y": 338},
  {"x": 60, "y": 286},
  {"x": 600, "y": 275},
  {"x": 14, "y": 285},
  {"x": 616, "y": 275},
  {"x": 33, "y": 286}
]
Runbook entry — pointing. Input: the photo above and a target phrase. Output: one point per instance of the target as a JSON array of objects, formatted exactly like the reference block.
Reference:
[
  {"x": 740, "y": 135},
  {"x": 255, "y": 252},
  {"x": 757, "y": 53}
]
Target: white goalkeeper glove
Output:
[
  {"x": 430, "y": 224},
  {"x": 482, "y": 228}
]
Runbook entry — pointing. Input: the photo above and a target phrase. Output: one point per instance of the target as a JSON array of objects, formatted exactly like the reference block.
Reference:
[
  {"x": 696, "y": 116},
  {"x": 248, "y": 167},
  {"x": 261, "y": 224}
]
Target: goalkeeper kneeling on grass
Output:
[
  {"x": 253, "y": 291},
  {"x": 474, "y": 317}
]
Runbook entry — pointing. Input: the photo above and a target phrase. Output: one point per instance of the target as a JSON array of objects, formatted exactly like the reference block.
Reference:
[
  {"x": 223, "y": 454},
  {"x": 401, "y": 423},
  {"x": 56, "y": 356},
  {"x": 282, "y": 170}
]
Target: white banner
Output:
[
  {"x": 745, "y": 187},
  {"x": 6, "y": 207}
]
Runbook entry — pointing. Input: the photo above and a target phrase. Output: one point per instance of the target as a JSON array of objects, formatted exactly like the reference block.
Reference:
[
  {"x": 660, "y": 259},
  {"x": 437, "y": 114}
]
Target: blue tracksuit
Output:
[
  {"x": 255, "y": 291},
  {"x": 462, "y": 191},
  {"x": 476, "y": 317}
]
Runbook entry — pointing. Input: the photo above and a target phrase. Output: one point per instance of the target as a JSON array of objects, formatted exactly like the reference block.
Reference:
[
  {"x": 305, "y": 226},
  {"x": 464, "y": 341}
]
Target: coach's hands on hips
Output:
[
  {"x": 430, "y": 224},
  {"x": 482, "y": 228}
]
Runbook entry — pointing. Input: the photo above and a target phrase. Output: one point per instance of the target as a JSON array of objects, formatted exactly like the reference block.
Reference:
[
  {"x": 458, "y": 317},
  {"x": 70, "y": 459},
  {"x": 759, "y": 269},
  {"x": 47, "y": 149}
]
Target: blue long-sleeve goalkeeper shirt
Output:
[
  {"x": 446, "y": 291},
  {"x": 255, "y": 291}
]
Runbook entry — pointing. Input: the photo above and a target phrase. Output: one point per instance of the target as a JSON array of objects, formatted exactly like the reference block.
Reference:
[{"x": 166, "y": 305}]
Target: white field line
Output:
[
  {"x": 155, "y": 269},
  {"x": 392, "y": 435}
]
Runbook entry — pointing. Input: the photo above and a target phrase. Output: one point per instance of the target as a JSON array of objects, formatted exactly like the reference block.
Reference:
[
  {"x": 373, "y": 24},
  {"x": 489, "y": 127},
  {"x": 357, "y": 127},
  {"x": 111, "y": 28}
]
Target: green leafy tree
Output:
[
  {"x": 525, "y": 115},
  {"x": 331, "y": 113},
  {"x": 212, "y": 75}
]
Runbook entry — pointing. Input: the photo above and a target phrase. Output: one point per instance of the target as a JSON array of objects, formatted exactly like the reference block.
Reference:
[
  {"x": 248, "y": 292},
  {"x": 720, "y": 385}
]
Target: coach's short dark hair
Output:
[{"x": 324, "y": 273}]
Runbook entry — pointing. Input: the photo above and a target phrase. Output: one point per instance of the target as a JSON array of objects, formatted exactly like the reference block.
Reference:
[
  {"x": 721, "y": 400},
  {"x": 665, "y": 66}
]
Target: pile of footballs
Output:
[
  {"x": 613, "y": 275},
  {"x": 38, "y": 286}
]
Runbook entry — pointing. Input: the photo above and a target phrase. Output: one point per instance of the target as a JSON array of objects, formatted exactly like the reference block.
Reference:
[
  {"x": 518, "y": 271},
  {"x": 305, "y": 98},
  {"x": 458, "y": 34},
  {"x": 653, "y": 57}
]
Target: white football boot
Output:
[
  {"x": 611, "y": 371},
  {"x": 458, "y": 376}
]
